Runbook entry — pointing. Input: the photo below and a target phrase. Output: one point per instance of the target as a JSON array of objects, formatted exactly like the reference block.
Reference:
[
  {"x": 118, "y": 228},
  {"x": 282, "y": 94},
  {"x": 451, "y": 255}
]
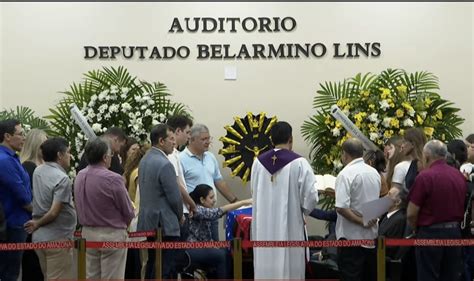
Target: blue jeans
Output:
[
  {"x": 10, "y": 261},
  {"x": 211, "y": 259},
  {"x": 168, "y": 263},
  {"x": 438, "y": 263}
]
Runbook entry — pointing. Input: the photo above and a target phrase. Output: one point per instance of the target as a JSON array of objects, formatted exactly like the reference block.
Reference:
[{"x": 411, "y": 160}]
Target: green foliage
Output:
[
  {"x": 410, "y": 99},
  {"x": 381, "y": 106},
  {"x": 26, "y": 116}
]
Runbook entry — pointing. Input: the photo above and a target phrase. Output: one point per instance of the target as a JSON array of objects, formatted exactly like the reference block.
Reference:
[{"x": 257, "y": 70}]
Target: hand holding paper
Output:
[{"x": 374, "y": 209}]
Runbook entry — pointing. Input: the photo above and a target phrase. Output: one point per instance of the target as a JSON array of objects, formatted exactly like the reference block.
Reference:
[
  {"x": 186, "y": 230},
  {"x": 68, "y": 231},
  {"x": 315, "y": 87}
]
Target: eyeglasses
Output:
[{"x": 21, "y": 134}]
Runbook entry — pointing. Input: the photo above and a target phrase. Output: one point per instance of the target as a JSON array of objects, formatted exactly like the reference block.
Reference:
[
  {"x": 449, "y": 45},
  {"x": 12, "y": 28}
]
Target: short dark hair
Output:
[
  {"x": 7, "y": 127},
  {"x": 458, "y": 149},
  {"x": 158, "y": 132},
  {"x": 95, "y": 150},
  {"x": 378, "y": 159},
  {"x": 51, "y": 147},
  {"x": 353, "y": 147},
  {"x": 179, "y": 121},
  {"x": 281, "y": 133},
  {"x": 201, "y": 190},
  {"x": 116, "y": 132},
  {"x": 470, "y": 138}
]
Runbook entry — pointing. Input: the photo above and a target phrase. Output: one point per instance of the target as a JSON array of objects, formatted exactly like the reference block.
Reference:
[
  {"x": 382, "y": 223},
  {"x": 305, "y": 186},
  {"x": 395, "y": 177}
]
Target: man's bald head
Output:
[
  {"x": 353, "y": 147},
  {"x": 434, "y": 150}
]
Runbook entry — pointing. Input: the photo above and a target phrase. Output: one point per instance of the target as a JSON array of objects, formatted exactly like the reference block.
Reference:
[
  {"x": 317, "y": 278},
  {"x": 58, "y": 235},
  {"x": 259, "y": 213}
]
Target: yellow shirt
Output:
[{"x": 132, "y": 184}]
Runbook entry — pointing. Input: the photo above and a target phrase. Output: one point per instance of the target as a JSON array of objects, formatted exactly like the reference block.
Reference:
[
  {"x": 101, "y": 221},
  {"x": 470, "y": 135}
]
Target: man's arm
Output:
[
  {"x": 11, "y": 180},
  {"x": 412, "y": 215},
  {"x": 171, "y": 190},
  {"x": 186, "y": 198},
  {"x": 51, "y": 215},
  {"x": 122, "y": 199},
  {"x": 224, "y": 189},
  {"x": 350, "y": 215},
  {"x": 354, "y": 217}
]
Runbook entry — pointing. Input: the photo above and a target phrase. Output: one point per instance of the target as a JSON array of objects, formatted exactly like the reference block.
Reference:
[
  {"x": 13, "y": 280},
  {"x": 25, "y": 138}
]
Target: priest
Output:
[{"x": 283, "y": 191}]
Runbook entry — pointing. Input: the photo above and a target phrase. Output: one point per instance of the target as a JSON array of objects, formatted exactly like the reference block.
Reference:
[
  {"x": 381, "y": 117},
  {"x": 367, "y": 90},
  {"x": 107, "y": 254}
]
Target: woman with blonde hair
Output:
[
  {"x": 130, "y": 173},
  {"x": 31, "y": 157},
  {"x": 136, "y": 259}
]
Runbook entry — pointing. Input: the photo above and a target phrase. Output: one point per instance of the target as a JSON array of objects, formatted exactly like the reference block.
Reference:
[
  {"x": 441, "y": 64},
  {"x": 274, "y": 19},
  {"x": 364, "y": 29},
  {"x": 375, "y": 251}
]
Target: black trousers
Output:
[
  {"x": 439, "y": 263},
  {"x": 357, "y": 264},
  {"x": 169, "y": 260}
]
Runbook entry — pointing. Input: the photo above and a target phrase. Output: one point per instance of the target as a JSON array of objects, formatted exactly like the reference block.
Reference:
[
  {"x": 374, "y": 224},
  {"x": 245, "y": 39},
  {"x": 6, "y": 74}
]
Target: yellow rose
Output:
[
  {"x": 399, "y": 113},
  {"x": 338, "y": 124},
  {"x": 401, "y": 132},
  {"x": 394, "y": 123},
  {"x": 419, "y": 119},
  {"x": 407, "y": 106},
  {"x": 364, "y": 93},
  {"x": 443, "y": 137},
  {"x": 402, "y": 89},
  {"x": 387, "y": 134},
  {"x": 371, "y": 106},
  {"x": 385, "y": 93},
  {"x": 429, "y": 131},
  {"x": 439, "y": 114},
  {"x": 328, "y": 120},
  {"x": 428, "y": 102},
  {"x": 341, "y": 103}
]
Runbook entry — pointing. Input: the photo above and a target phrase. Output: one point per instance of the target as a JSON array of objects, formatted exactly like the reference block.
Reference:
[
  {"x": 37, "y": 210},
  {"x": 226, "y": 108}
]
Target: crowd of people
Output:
[{"x": 171, "y": 183}]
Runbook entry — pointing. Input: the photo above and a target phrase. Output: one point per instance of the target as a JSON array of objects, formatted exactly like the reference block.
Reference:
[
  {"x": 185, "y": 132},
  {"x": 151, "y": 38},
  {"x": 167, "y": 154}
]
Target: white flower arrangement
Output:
[{"x": 113, "y": 98}]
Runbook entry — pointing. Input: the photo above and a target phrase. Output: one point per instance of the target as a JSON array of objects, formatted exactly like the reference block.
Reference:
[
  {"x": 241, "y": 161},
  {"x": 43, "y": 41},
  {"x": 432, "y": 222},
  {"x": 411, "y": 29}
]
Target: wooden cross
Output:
[{"x": 274, "y": 158}]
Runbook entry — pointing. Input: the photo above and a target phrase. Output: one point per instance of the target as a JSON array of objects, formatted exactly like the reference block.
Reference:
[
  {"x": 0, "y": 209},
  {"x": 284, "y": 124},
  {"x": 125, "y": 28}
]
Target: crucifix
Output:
[{"x": 274, "y": 158}]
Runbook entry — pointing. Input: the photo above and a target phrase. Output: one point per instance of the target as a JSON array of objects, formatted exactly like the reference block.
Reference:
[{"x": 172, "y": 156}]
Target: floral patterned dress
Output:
[{"x": 200, "y": 223}]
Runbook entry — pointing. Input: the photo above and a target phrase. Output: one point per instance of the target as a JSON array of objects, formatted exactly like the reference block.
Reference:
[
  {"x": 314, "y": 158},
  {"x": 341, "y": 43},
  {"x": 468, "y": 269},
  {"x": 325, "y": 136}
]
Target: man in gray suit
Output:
[{"x": 160, "y": 201}]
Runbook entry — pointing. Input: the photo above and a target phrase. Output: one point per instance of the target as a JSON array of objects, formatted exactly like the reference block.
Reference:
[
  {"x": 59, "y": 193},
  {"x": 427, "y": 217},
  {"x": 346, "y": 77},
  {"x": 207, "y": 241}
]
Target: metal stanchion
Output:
[
  {"x": 381, "y": 258},
  {"x": 80, "y": 245},
  {"x": 158, "y": 256},
  {"x": 237, "y": 253}
]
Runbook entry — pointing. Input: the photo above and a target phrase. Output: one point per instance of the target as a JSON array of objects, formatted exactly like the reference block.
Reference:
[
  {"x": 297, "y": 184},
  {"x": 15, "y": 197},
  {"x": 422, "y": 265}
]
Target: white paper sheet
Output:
[{"x": 374, "y": 209}]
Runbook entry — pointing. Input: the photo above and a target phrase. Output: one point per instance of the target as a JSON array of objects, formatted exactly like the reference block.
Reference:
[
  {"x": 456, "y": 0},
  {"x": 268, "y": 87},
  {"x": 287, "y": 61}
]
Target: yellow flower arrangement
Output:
[{"x": 381, "y": 106}]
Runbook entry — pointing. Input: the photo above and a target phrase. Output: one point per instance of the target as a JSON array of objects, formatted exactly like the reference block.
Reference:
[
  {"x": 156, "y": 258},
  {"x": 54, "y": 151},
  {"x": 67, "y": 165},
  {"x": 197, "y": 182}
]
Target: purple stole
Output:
[{"x": 275, "y": 160}]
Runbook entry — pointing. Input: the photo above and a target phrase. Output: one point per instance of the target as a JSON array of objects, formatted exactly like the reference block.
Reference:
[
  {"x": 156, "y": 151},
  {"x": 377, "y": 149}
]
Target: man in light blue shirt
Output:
[{"x": 201, "y": 167}]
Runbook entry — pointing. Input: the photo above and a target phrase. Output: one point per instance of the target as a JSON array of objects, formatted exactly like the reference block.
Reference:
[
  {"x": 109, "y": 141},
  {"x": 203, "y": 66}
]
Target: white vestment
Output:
[{"x": 279, "y": 203}]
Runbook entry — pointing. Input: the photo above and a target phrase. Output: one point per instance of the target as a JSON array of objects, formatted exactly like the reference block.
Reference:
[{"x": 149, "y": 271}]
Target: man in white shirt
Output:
[
  {"x": 181, "y": 125},
  {"x": 356, "y": 184},
  {"x": 283, "y": 191}
]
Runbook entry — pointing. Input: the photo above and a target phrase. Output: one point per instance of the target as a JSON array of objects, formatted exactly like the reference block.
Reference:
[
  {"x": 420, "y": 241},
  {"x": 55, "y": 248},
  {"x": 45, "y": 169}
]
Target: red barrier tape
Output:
[
  {"x": 37, "y": 245},
  {"x": 158, "y": 245},
  {"x": 429, "y": 242},
  {"x": 326, "y": 243},
  {"x": 227, "y": 244},
  {"x": 150, "y": 233}
]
